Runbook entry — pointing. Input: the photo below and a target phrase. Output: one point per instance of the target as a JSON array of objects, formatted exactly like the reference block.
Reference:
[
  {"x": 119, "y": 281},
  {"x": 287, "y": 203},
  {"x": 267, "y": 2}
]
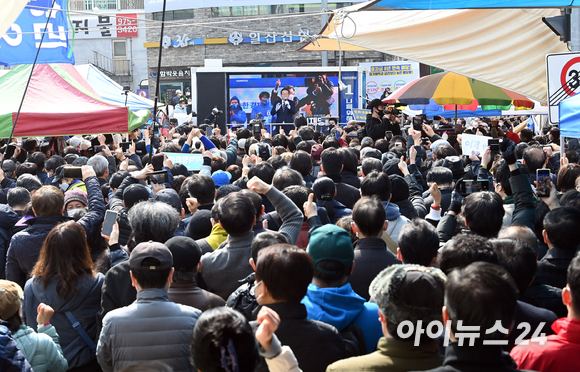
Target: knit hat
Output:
[
  {"x": 135, "y": 193},
  {"x": 75, "y": 141},
  {"x": 242, "y": 144},
  {"x": 199, "y": 225},
  {"x": 8, "y": 166},
  {"x": 369, "y": 152},
  {"x": 153, "y": 250},
  {"x": 400, "y": 188},
  {"x": 169, "y": 196},
  {"x": 392, "y": 167},
  {"x": 330, "y": 242},
  {"x": 185, "y": 251},
  {"x": 10, "y": 297},
  {"x": 316, "y": 151},
  {"x": 409, "y": 292},
  {"x": 76, "y": 195}
]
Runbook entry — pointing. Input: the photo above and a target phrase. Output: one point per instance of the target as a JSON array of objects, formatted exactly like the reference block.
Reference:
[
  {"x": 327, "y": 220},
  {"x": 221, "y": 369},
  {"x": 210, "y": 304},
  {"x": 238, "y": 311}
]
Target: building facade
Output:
[
  {"x": 240, "y": 36},
  {"x": 110, "y": 35}
]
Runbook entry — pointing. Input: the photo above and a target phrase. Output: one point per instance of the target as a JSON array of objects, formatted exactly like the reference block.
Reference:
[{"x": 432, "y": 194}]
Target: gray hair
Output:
[
  {"x": 29, "y": 182},
  {"x": 18, "y": 197},
  {"x": 100, "y": 164},
  {"x": 153, "y": 220}
]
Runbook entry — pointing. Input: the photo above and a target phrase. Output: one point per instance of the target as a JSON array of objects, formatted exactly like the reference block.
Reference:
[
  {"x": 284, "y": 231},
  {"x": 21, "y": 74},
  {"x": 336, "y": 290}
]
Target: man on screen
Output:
[
  {"x": 284, "y": 109},
  {"x": 237, "y": 113},
  {"x": 264, "y": 108}
]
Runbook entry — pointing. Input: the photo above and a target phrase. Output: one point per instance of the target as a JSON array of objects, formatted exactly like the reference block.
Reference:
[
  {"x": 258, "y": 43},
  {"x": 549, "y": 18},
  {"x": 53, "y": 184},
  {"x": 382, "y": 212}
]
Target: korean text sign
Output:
[{"x": 22, "y": 40}]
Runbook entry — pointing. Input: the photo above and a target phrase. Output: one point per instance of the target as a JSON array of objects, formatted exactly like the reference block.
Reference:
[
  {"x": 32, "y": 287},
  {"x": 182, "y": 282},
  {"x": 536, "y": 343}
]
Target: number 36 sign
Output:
[{"x": 563, "y": 77}]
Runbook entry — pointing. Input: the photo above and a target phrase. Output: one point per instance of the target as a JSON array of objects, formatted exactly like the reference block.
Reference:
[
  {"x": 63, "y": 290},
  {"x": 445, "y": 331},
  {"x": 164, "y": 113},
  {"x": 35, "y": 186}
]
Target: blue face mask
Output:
[
  {"x": 234, "y": 105},
  {"x": 264, "y": 102}
]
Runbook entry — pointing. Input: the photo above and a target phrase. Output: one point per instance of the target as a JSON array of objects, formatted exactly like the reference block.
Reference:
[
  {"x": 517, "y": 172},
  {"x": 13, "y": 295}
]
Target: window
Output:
[
  {"x": 172, "y": 15},
  {"x": 255, "y": 10},
  {"x": 119, "y": 49},
  {"x": 101, "y": 4}
]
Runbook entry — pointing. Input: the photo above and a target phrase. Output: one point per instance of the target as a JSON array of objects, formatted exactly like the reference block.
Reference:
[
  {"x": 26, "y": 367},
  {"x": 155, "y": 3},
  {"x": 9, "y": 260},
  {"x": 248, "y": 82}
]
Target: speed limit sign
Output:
[{"x": 563, "y": 71}]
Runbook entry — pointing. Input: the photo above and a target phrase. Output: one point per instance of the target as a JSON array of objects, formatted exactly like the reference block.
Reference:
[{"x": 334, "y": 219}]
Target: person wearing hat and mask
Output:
[
  {"x": 237, "y": 113},
  {"x": 42, "y": 350},
  {"x": 377, "y": 122},
  {"x": 75, "y": 201},
  {"x": 181, "y": 107},
  {"x": 184, "y": 290},
  {"x": 152, "y": 328},
  {"x": 330, "y": 298},
  {"x": 403, "y": 293}
]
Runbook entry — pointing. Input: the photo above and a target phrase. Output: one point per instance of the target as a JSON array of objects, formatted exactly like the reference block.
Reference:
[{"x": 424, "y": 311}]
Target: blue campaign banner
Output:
[
  {"x": 21, "y": 41},
  {"x": 193, "y": 162},
  {"x": 348, "y": 96}
]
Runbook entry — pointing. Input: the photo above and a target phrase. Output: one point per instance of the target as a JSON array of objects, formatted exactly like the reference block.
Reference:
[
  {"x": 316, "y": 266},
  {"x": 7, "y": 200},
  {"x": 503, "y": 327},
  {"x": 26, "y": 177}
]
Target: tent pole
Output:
[
  {"x": 27, "y": 84},
  {"x": 455, "y": 118},
  {"x": 158, "y": 80}
]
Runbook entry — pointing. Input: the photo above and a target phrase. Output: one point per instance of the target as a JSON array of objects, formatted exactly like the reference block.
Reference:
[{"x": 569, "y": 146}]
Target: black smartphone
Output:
[
  {"x": 467, "y": 187},
  {"x": 125, "y": 146},
  {"x": 388, "y": 135},
  {"x": 424, "y": 140},
  {"x": 72, "y": 172},
  {"x": 98, "y": 149},
  {"x": 493, "y": 144},
  {"x": 417, "y": 123},
  {"x": 110, "y": 219},
  {"x": 437, "y": 117},
  {"x": 544, "y": 182},
  {"x": 158, "y": 177}
]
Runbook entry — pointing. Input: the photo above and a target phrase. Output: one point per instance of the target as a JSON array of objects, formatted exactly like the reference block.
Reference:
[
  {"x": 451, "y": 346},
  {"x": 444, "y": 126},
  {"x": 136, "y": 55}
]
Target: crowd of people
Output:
[{"x": 361, "y": 250}]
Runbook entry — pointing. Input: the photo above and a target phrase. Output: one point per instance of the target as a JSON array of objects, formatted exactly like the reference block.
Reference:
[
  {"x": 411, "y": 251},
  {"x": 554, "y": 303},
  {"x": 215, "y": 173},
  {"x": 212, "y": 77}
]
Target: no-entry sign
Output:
[{"x": 563, "y": 75}]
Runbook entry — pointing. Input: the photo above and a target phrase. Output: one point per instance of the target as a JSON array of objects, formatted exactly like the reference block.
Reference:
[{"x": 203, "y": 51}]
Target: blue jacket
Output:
[
  {"x": 238, "y": 115},
  {"x": 25, "y": 246},
  {"x": 11, "y": 359},
  {"x": 340, "y": 306},
  {"x": 41, "y": 349}
]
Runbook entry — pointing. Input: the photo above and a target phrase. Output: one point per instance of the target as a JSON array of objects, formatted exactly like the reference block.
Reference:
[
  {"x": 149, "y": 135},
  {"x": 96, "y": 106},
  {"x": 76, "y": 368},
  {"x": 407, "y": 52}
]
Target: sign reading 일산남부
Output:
[{"x": 22, "y": 40}]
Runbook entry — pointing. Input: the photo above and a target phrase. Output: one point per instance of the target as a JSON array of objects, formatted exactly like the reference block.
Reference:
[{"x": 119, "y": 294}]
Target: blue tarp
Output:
[
  {"x": 110, "y": 91},
  {"x": 433, "y": 109},
  {"x": 474, "y": 4},
  {"x": 570, "y": 117}
]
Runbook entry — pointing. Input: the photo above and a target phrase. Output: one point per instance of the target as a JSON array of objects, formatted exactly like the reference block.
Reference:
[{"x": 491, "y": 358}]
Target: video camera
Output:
[{"x": 256, "y": 126}]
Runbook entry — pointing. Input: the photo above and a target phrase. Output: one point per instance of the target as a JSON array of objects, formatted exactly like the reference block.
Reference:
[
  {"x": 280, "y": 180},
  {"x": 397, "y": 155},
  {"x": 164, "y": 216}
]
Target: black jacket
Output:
[
  {"x": 371, "y": 256},
  {"x": 534, "y": 316},
  {"x": 545, "y": 296},
  {"x": 350, "y": 178},
  {"x": 445, "y": 199},
  {"x": 117, "y": 290},
  {"x": 345, "y": 193},
  {"x": 478, "y": 358},
  {"x": 25, "y": 246},
  {"x": 8, "y": 219},
  {"x": 552, "y": 269},
  {"x": 315, "y": 344},
  {"x": 376, "y": 128}
]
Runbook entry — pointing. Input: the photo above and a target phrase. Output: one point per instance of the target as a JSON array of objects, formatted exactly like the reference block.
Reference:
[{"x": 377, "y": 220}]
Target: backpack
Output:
[{"x": 354, "y": 340}]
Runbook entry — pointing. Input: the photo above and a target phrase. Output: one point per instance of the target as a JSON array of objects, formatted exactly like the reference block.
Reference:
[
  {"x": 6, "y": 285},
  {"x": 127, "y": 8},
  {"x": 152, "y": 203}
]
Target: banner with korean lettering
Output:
[
  {"x": 348, "y": 96},
  {"x": 105, "y": 26},
  {"x": 22, "y": 40},
  {"x": 387, "y": 75}
]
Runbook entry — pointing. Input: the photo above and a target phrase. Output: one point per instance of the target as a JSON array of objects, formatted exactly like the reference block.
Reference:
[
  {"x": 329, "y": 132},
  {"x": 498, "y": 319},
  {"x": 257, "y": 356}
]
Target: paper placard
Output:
[{"x": 472, "y": 142}]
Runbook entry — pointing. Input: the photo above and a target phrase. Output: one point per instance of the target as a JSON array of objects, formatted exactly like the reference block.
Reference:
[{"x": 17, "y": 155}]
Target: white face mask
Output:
[
  {"x": 71, "y": 213},
  {"x": 63, "y": 186}
]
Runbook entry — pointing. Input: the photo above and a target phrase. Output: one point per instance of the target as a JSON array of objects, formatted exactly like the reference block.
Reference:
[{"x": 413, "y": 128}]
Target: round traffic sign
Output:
[
  {"x": 569, "y": 78},
  {"x": 143, "y": 93}
]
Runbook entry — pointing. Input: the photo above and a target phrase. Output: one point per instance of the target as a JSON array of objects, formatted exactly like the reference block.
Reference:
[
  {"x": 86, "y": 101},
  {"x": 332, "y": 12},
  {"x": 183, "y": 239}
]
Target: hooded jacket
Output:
[
  {"x": 396, "y": 220},
  {"x": 11, "y": 358},
  {"x": 83, "y": 305},
  {"x": 25, "y": 246},
  {"x": 42, "y": 349},
  {"x": 238, "y": 116},
  {"x": 340, "y": 306}
]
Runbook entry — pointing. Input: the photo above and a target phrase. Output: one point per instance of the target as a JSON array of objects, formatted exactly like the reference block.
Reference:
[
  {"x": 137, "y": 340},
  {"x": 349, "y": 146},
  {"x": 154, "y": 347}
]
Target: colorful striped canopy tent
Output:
[
  {"x": 448, "y": 88},
  {"x": 59, "y": 102}
]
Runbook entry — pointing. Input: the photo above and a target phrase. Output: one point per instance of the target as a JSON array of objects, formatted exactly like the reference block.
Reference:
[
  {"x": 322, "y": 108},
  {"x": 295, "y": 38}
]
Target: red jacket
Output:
[{"x": 559, "y": 352}]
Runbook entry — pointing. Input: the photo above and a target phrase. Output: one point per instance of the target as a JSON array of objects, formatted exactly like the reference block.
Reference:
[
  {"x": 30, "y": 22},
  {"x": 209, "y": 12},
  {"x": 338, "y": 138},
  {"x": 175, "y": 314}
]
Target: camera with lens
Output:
[{"x": 216, "y": 111}]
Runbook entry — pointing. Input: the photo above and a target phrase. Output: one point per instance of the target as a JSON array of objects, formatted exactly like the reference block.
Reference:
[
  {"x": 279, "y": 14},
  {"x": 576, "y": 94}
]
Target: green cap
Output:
[{"x": 330, "y": 242}]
